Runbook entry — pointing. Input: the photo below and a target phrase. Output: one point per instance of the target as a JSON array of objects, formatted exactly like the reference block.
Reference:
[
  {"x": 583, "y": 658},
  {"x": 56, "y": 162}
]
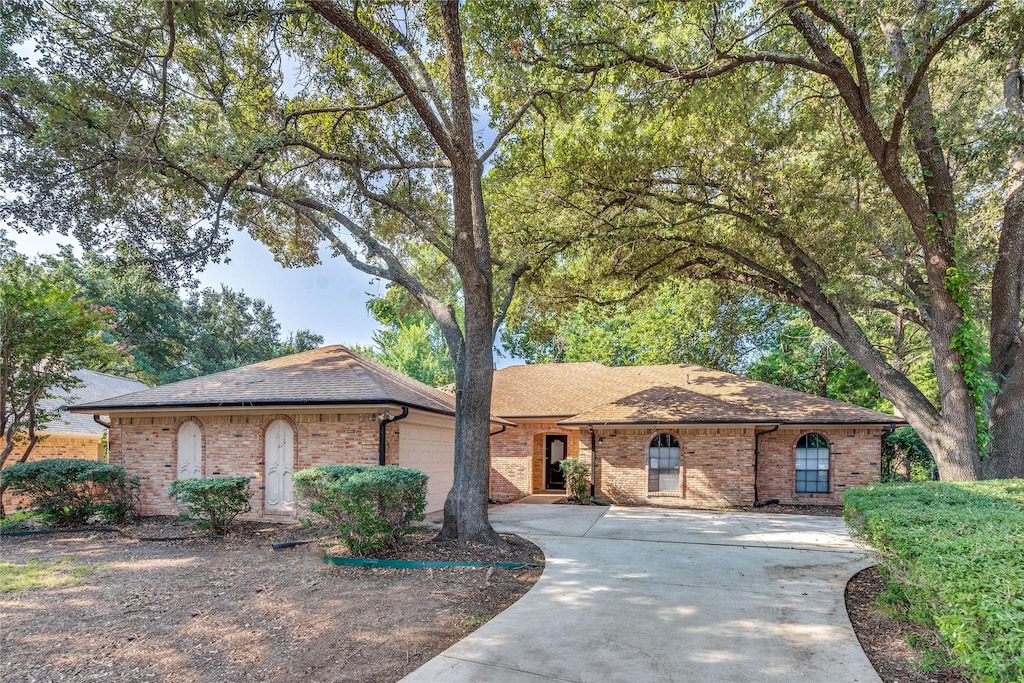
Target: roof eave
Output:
[{"x": 206, "y": 406}]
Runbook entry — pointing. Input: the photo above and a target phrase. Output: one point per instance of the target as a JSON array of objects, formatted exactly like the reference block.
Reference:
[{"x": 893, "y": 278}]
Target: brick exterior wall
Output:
[
  {"x": 716, "y": 463},
  {"x": 233, "y": 445},
  {"x": 855, "y": 455},
  {"x": 716, "y": 466},
  {"x": 80, "y": 446},
  {"x": 517, "y": 458}
]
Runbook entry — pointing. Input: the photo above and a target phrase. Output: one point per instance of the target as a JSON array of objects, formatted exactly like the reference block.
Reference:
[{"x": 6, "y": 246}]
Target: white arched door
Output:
[
  {"x": 280, "y": 460},
  {"x": 190, "y": 451}
]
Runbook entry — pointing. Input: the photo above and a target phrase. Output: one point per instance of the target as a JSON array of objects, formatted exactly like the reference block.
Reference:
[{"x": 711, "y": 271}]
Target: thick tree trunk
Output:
[
  {"x": 466, "y": 507},
  {"x": 1006, "y": 419}
]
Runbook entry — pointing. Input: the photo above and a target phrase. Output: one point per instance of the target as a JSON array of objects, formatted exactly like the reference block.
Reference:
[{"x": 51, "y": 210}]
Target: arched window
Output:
[
  {"x": 812, "y": 464},
  {"x": 663, "y": 456}
]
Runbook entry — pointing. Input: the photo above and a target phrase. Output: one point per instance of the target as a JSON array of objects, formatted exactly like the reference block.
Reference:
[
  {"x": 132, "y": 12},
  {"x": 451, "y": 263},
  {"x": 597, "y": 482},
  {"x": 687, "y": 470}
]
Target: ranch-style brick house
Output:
[
  {"x": 679, "y": 435},
  {"x": 671, "y": 434},
  {"x": 266, "y": 420}
]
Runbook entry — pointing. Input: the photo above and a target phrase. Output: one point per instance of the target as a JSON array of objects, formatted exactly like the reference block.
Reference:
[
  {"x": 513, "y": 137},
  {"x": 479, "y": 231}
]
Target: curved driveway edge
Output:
[{"x": 646, "y": 594}]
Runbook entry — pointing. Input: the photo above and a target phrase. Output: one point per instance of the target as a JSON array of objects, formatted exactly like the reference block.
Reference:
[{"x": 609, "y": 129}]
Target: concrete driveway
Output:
[{"x": 644, "y": 594}]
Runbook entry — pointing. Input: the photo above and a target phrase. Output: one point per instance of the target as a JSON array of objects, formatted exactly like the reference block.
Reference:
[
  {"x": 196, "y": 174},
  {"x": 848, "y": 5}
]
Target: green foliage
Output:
[
  {"x": 704, "y": 323},
  {"x": 373, "y": 507},
  {"x": 968, "y": 341},
  {"x": 952, "y": 552},
  {"x": 69, "y": 492},
  {"x": 212, "y": 502},
  {"x": 408, "y": 339},
  {"x": 804, "y": 358},
  {"x": 905, "y": 457},
  {"x": 577, "y": 479},
  {"x": 167, "y": 338},
  {"x": 46, "y": 332},
  {"x": 17, "y": 521}
]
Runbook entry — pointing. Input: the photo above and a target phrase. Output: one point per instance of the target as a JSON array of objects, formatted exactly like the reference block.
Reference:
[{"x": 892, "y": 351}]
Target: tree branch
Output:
[{"x": 348, "y": 24}]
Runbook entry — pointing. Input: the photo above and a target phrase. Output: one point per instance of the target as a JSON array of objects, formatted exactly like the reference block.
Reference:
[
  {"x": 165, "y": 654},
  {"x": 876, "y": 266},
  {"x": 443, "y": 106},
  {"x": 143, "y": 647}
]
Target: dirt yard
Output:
[{"x": 233, "y": 609}]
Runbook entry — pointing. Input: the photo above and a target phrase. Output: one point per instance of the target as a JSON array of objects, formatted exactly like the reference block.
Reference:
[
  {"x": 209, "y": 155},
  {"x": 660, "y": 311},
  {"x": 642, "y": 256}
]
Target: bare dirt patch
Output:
[{"x": 232, "y": 609}]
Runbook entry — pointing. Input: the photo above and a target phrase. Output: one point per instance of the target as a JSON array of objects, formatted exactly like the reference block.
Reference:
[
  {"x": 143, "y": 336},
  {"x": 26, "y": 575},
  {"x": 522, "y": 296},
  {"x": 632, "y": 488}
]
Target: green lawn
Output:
[{"x": 37, "y": 574}]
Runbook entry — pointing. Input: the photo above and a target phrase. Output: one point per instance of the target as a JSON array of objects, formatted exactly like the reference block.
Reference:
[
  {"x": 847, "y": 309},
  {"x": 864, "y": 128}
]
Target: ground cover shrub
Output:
[
  {"x": 212, "y": 502},
  {"x": 577, "y": 479},
  {"x": 19, "y": 520},
  {"x": 952, "y": 553},
  {"x": 372, "y": 507},
  {"x": 69, "y": 492}
]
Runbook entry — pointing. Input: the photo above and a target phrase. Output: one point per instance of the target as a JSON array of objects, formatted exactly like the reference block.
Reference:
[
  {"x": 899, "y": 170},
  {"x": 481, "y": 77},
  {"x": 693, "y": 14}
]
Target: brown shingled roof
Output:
[
  {"x": 332, "y": 375},
  {"x": 591, "y": 393}
]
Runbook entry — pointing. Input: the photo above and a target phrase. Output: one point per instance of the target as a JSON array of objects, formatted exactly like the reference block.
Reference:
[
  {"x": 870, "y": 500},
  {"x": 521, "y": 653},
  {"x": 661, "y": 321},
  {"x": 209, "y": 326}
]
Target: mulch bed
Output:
[
  {"x": 165, "y": 602},
  {"x": 884, "y": 639}
]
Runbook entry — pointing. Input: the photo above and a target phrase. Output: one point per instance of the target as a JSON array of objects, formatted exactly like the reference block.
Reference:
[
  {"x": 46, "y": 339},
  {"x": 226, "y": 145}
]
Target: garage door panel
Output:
[{"x": 430, "y": 449}]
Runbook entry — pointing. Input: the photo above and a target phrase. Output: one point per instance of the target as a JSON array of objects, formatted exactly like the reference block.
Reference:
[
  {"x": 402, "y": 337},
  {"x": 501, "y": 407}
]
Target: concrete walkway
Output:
[{"x": 644, "y": 594}]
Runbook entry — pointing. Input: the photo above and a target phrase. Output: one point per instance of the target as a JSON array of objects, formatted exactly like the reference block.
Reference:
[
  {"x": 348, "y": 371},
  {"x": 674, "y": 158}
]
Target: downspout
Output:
[
  {"x": 98, "y": 420},
  {"x": 757, "y": 454},
  {"x": 503, "y": 428},
  {"x": 593, "y": 466},
  {"x": 593, "y": 458},
  {"x": 382, "y": 438}
]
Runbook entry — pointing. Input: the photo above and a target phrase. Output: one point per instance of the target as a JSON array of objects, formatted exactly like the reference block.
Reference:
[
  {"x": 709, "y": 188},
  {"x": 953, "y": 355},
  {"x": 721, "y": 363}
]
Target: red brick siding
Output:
[
  {"x": 716, "y": 463},
  {"x": 233, "y": 445},
  {"x": 716, "y": 466},
  {"x": 855, "y": 456}
]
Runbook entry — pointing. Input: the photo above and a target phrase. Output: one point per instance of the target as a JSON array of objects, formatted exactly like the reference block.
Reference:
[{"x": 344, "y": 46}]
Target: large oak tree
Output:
[
  {"x": 156, "y": 125},
  {"x": 849, "y": 158}
]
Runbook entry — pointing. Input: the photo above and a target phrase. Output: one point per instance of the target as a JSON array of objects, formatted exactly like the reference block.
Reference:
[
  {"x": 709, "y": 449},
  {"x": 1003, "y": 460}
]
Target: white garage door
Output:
[{"x": 429, "y": 448}]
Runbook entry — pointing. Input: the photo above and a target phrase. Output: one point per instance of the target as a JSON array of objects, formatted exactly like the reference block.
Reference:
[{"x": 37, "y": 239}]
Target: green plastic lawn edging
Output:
[{"x": 416, "y": 564}]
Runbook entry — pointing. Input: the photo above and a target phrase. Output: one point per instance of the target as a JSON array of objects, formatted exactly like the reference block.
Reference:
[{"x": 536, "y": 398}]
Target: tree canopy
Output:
[
  {"x": 155, "y": 127},
  {"x": 856, "y": 162},
  {"x": 166, "y": 337},
  {"x": 46, "y": 332}
]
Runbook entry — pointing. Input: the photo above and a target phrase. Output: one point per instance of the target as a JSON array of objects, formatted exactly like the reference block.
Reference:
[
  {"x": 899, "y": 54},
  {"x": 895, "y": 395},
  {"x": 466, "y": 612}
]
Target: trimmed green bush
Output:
[
  {"x": 577, "y": 479},
  {"x": 954, "y": 556},
  {"x": 212, "y": 502},
  {"x": 372, "y": 507},
  {"x": 69, "y": 492}
]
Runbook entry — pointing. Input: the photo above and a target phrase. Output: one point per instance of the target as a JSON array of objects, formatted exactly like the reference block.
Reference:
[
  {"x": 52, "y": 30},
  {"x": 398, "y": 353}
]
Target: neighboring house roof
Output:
[
  {"x": 591, "y": 393},
  {"x": 331, "y": 375},
  {"x": 95, "y": 386}
]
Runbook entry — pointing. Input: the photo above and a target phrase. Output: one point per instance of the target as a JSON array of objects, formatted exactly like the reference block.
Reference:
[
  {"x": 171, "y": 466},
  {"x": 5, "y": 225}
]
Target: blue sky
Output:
[{"x": 329, "y": 299}]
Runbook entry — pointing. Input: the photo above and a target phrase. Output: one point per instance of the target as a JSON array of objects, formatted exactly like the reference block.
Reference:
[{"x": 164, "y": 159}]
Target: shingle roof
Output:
[
  {"x": 591, "y": 393},
  {"x": 331, "y": 375},
  {"x": 95, "y": 386}
]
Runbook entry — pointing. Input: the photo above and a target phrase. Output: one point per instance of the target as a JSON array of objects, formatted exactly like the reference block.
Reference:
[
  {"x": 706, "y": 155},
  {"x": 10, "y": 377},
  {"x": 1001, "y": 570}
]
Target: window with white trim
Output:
[
  {"x": 812, "y": 464},
  {"x": 663, "y": 461}
]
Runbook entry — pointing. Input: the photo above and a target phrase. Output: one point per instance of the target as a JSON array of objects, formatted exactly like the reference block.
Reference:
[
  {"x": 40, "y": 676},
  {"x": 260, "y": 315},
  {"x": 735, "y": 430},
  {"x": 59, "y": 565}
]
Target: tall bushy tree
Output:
[
  {"x": 159, "y": 125},
  {"x": 847, "y": 159},
  {"x": 408, "y": 340},
  {"x": 46, "y": 332},
  {"x": 168, "y": 338},
  {"x": 706, "y": 323}
]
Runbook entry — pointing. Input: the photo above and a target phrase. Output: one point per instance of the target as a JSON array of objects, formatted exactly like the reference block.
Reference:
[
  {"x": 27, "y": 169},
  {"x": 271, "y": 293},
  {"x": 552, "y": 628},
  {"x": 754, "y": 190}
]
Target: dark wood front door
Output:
[{"x": 554, "y": 453}]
